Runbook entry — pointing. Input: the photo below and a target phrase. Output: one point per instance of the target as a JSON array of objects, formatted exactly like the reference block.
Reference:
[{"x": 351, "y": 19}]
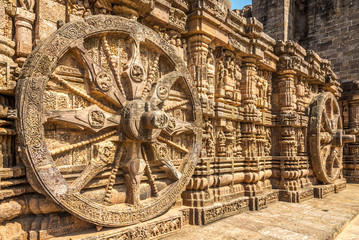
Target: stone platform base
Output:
[
  {"x": 322, "y": 191},
  {"x": 352, "y": 179},
  {"x": 260, "y": 202},
  {"x": 314, "y": 219},
  {"x": 168, "y": 224},
  {"x": 205, "y": 215},
  {"x": 296, "y": 196}
]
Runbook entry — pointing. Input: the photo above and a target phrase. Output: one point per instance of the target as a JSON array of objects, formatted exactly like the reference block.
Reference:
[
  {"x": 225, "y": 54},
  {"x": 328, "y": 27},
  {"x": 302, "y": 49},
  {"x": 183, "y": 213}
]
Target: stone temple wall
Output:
[
  {"x": 112, "y": 112},
  {"x": 331, "y": 29}
]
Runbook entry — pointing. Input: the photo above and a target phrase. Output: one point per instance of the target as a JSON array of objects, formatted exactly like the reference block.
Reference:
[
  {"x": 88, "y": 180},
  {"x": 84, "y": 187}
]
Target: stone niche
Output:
[{"x": 131, "y": 119}]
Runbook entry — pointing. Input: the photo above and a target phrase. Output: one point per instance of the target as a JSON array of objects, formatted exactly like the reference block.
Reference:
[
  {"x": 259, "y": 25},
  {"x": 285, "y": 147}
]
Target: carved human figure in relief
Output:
[
  {"x": 211, "y": 74},
  {"x": 229, "y": 83},
  {"x": 221, "y": 75},
  {"x": 27, "y": 4},
  {"x": 268, "y": 142},
  {"x": 209, "y": 142},
  {"x": 262, "y": 86},
  {"x": 238, "y": 79},
  {"x": 203, "y": 83},
  {"x": 221, "y": 139}
]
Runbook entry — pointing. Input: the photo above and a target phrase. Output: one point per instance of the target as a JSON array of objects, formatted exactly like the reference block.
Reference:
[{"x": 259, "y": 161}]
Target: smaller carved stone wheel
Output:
[
  {"x": 110, "y": 124},
  {"x": 326, "y": 138}
]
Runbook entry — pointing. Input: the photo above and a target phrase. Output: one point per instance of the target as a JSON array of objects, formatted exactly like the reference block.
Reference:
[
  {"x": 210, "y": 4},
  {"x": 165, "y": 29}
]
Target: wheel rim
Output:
[
  {"x": 325, "y": 138},
  {"x": 137, "y": 114}
]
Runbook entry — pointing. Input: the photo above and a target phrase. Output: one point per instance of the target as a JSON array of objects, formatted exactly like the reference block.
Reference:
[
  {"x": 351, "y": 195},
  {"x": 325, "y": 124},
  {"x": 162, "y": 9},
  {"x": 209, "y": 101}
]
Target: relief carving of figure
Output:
[
  {"x": 27, "y": 4},
  {"x": 268, "y": 143},
  {"x": 211, "y": 73},
  {"x": 229, "y": 83},
  {"x": 221, "y": 144},
  {"x": 208, "y": 127}
]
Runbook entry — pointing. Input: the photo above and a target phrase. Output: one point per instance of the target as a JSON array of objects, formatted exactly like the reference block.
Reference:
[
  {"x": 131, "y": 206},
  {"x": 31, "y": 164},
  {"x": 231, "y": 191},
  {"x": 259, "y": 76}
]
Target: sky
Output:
[{"x": 239, "y": 4}]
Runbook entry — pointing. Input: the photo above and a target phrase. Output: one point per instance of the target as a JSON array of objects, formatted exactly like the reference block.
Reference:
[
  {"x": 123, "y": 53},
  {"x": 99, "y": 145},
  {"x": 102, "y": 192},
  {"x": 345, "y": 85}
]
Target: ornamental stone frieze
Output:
[{"x": 145, "y": 116}]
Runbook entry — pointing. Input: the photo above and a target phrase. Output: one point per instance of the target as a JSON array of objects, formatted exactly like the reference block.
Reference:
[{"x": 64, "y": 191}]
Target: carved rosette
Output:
[
  {"x": 326, "y": 138},
  {"x": 109, "y": 121}
]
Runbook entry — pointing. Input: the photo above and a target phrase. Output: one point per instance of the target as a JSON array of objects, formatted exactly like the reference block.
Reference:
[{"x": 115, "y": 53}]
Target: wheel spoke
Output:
[
  {"x": 102, "y": 82},
  {"x": 92, "y": 118},
  {"x": 82, "y": 94},
  {"x": 325, "y": 152},
  {"x": 70, "y": 147},
  {"x": 112, "y": 178},
  {"x": 86, "y": 176},
  {"x": 176, "y": 126},
  {"x": 135, "y": 71},
  {"x": 134, "y": 167},
  {"x": 148, "y": 172},
  {"x": 162, "y": 90},
  {"x": 114, "y": 68},
  {"x": 161, "y": 154},
  {"x": 176, "y": 105},
  {"x": 170, "y": 169},
  {"x": 151, "y": 77},
  {"x": 326, "y": 122},
  {"x": 175, "y": 145},
  {"x": 332, "y": 162}
]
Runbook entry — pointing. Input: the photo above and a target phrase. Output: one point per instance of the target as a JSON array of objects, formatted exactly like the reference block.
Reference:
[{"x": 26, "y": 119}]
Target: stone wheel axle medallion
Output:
[
  {"x": 326, "y": 138},
  {"x": 110, "y": 129}
]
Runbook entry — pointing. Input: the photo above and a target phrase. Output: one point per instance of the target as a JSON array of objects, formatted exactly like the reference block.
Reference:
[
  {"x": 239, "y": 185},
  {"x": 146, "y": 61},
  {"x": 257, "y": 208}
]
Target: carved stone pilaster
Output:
[
  {"x": 24, "y": 20},
  {"x": 249, "y": 89},
  {"x": 200, "y": 66},
  {"x": 287, "y": 106}
]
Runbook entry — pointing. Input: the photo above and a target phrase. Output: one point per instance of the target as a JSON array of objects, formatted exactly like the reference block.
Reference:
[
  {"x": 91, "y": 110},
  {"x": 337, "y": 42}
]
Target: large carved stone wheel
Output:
[
  {"x": 109, "y": 122},
  {"x": 326, "y": 138}
]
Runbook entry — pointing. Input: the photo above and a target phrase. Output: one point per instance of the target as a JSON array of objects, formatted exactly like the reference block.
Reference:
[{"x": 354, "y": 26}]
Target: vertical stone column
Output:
[
  {"x": 198, "y": 65},
  {"x": 198, "y": 192},
  {"x": 287, "y": 111},
  {"x": 351, "y": 150},
  {"x": 7, "y": 83},
  {"x": 290, "y": 165},
  {"x": 287, "y": 132},
  {"x": 24, "y": 20},
  {"x": 248, "y": 127}
]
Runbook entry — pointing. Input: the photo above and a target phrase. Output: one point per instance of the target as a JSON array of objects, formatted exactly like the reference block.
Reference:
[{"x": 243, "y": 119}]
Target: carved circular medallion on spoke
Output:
[
  {"x": 137, "y": 73},
  {"x": 104, "y": 81},
  {"x": 96, "y": 140},
  {"x": 96, "y": 119},
  {"x": 162, "y": 92}
]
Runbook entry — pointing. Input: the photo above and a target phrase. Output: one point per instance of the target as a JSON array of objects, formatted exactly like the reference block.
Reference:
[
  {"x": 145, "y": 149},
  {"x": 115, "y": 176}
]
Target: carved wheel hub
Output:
[
  {"x": 109, "y": 123},
  {"x": 326, "y": 138},
  {"x": 142, "y": 121}
]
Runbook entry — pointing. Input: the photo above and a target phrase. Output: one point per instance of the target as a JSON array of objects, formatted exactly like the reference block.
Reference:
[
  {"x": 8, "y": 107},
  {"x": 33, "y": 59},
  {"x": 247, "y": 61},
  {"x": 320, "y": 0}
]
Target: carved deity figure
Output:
[
  {"x": 238, "y": 141},
  {"x": 221, "y": 73},
  {"x": 268, "y": 143},
  {"x": 81, "y": 8},
  {"x": 229, "y": 82},
  {"x": 262, "y": 86},
  {"x": 301, "y": 140},
  {"x": 102, "y": 6},
  {"x": 209, "y": 142},
  {"x": 211, "y": 73},
  {"x": 237, "y": 75},
  {"x": 300, "y": 96},
  {"x": 221, "y": 140}
]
